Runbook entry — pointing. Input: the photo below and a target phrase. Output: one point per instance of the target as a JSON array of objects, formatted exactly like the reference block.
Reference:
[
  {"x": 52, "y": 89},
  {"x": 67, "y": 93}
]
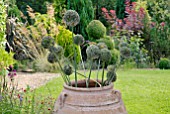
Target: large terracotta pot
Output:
[{"x": 93, "y": 100}]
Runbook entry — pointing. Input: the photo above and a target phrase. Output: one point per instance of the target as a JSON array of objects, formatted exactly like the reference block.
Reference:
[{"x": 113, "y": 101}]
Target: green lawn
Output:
[{"x": 143, "y": 91}]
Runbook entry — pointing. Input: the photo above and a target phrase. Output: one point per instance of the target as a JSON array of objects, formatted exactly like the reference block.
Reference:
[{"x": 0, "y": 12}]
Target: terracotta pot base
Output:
[{"x": 94, "y": 100}]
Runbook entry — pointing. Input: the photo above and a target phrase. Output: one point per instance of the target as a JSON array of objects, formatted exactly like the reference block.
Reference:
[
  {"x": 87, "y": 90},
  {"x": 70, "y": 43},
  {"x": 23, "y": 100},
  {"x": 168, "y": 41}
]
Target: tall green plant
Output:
[
  {"x": 160, "y": 42},
  {"x": 86, "y": 12},
  {"x": 120, "y": 9}
]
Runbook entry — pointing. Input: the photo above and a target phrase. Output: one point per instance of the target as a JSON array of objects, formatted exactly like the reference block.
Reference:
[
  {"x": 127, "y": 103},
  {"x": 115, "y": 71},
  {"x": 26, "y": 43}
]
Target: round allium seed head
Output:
[
  {"x": 47, "y": 42},
  {"x": 105, "y": 55},
  {"x": 52, "y": 58},
  {"x": 58, "y": 50},
  {"x": 125, "y": 52},
  {"x": 101, "y": 45},
  {"x": 93, "y": 52},
  {"x": 78, "y": 39},
  {"x": 111, "y": 76},
  {"x": 71, "y": 18},
  {"x": 123, "y": 44},
  {"x": 67, "y": 69},
  {"x": 111, "y": 68}
]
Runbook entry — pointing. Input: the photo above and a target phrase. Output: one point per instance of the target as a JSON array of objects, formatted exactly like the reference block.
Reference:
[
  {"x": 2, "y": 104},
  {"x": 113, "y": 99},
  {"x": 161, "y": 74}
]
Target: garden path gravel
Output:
[{"x": 34, "y": 80}]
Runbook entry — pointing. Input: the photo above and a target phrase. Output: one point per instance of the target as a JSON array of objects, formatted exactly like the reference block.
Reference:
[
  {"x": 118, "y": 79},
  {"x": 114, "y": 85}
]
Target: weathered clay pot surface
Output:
[{"x": 94, "y": 100}]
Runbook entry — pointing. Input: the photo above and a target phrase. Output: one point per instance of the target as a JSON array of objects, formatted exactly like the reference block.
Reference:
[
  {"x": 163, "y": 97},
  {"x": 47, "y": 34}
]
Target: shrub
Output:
[
  {"x": 160, "y": 42},
  {"x": 64, "y": 39},
  {"x": 96, "y": 29},
  {"x": 164, "y": 63}
]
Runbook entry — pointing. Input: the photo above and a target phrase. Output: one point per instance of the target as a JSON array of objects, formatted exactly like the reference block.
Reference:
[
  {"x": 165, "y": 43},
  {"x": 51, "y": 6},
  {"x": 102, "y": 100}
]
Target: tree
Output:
[{"x": 86, "y": 12}]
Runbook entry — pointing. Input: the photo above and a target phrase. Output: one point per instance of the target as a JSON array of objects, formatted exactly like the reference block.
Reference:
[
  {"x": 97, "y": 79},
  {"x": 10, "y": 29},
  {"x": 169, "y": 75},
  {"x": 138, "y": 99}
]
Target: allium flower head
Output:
[
  {"x": 93, "y": 52},
  {"x": 125, "y": 52},
  {"x": 101, "y": 45},
  {"x": 71, "y": 18},
  {"x": 111, "y": 68},
  {"x": 47, "y": 42},
  {"x": 67, "y": 69},
  {"x": 105, "y": 55},
  {"x": 78, "y": 39},
  {"x": 52, "y": 58},
  {"x": 111, "y": 76},
  {"x": 58, "y": 50}
]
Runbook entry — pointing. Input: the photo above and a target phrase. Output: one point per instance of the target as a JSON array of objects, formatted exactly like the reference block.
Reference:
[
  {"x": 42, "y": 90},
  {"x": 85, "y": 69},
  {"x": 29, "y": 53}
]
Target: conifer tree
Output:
[{"x": 86, "y": 12}]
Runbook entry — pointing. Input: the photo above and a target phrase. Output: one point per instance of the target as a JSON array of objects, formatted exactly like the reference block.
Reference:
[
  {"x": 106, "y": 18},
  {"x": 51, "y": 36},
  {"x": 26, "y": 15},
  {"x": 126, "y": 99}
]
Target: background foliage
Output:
[
  {"x": 85, "y": 10},
  {"x": 64, "y": 39}
]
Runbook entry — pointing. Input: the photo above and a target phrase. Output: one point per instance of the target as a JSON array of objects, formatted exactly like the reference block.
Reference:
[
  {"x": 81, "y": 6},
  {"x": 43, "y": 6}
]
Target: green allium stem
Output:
[
  {"x": 91, "y": 79},
  {"x": 103, "y": 74},
  {"x": 98, "y": 69},
  {"x": 64, "y": 76},
  {"x": 83, "y": 64},
  {"x": 75, "y": 65},
  {"x": 69, "y": 80},
  {"x": 88, "y": 81},
  {"x": 108, "y": 80}
]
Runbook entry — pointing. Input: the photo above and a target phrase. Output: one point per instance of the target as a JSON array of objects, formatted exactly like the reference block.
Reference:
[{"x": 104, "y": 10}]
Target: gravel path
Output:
[{"x": 34, "y": 80}]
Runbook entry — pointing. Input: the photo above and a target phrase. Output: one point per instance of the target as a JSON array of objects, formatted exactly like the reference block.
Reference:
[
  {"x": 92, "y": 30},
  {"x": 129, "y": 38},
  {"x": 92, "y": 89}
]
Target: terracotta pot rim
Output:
[{"x": 91, "y": 89}]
